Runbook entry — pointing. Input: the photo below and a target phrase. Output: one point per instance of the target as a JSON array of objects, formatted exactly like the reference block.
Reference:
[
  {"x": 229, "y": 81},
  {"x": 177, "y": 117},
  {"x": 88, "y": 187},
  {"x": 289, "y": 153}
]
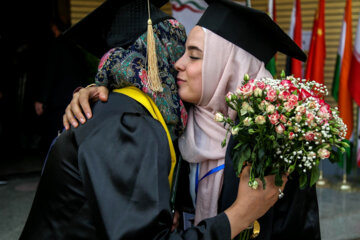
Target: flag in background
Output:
[
  {"x": 354, "y": 78},
  {"x": 354, "y": 86},
  {"x": 317, "y": 53},
  {"x": 340, "y": 90},
  {"x": 271, "y": 65},
  {"x": 188, "y": 12},
  {"x": 248, "y": 3},
  {"x": 358, "y": 140},
  {"x": 294, "y": 66}
]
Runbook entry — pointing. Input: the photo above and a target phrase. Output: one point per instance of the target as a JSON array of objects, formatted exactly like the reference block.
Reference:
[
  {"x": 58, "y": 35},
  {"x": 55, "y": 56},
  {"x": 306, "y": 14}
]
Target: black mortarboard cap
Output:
[
  {"x": 115, "y": 23},
  {"x": 251, "y": 29}
]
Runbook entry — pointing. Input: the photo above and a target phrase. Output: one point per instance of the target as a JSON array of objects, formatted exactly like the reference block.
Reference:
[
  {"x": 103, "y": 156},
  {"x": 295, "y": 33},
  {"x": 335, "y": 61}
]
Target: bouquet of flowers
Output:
[{"x": 284, "y": 125}]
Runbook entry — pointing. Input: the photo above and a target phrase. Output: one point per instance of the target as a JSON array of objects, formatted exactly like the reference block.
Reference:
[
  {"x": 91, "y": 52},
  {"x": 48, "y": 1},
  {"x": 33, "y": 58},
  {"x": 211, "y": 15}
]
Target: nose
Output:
[{"x": 179, "y": 65}]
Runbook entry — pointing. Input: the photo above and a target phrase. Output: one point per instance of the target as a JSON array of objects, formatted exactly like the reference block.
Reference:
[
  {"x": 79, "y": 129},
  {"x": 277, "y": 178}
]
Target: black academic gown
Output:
[
  {"x": 295, "y": 216},
  {"x": 108, "y": 179}
]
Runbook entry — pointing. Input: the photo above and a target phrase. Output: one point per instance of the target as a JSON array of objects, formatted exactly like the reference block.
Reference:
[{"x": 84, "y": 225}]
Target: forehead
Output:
[{"x": 196, "y": 37}]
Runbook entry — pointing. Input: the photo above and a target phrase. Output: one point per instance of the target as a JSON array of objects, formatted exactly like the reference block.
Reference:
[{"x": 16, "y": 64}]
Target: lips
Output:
[{"x": 180, "y": 81}]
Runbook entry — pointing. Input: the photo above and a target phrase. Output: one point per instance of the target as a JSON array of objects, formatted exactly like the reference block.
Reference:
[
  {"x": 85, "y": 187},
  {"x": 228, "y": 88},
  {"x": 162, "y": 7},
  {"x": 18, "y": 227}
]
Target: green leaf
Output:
[
  {"x": 236, "y": 159},
  {"x": 239, "y": 157},
  {"x": 261, "y": 153},
  {"x": 268, "y": 162},
  {"x": 334, "y": 157},
  {"x": 282, "y": 74},
  {"x": 278, "y": 179},
  {"x": 223, "y": 143},
  {"x": 238, "y": 145},
  {"x": 315, "y": 173},
  {"x": 253, "y": 156},
  {"x": 303, "y": 181},
  {"x": 246, "y": 155},
  {"x": 263, "y": 180}
]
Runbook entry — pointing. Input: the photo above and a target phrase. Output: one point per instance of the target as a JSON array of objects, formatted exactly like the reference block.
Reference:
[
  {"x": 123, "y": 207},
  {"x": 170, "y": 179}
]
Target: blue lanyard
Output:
[{"x": 214, "y": 170}]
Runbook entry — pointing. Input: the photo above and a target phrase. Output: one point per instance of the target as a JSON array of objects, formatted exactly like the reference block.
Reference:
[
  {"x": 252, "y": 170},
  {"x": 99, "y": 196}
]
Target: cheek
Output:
[{"x": 195, "y": 81}]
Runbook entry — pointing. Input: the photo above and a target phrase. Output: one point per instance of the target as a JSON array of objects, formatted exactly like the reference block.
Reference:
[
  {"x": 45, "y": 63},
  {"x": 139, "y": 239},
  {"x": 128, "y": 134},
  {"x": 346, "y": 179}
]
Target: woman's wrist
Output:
[{"x": 238, "y": 218}]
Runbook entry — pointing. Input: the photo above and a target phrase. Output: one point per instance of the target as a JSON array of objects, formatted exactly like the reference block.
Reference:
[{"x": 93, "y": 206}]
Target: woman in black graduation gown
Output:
[{"x": 295, "y": 216}]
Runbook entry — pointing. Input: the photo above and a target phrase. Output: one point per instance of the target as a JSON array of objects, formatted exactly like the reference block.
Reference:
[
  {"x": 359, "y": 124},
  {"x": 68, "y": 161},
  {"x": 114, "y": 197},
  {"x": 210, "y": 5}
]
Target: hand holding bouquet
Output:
[{"x": 284, "y": 125}]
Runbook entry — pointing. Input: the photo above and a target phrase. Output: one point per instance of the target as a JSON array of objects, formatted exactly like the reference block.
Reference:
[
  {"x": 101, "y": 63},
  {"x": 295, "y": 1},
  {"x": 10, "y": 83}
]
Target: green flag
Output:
[
  {"x": 271, "y": 66},
  {"x": 336, "y": 80}
]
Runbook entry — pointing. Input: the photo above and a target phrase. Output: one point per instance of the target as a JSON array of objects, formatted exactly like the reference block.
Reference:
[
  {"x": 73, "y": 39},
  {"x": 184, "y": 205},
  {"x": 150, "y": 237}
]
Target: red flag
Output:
[
  {"x": 316, "y": 56},
  {"x": 354, "y": 76},
  {"x": 294, "y": 66},
  {"x": 354, "y": 86}
]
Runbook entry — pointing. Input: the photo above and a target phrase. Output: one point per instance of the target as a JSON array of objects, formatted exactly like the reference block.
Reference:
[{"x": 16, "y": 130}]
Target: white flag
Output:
[{"x": 188, "y": 12}]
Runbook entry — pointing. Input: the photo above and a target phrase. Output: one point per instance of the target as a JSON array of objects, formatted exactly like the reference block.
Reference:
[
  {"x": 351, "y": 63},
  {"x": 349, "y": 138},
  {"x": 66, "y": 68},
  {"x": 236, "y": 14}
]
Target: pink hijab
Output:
[{"x": 224, "y": 66}]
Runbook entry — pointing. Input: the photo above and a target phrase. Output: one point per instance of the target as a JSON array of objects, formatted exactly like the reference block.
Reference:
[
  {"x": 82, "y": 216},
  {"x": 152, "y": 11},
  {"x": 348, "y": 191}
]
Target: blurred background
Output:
[{"x": 39, "y": 72}]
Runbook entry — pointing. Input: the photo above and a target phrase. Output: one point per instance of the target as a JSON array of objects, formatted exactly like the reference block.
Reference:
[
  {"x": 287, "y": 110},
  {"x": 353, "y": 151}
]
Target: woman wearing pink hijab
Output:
[
  {"x": 205, "y": 86},
  {"x": 230, "y": 41}
]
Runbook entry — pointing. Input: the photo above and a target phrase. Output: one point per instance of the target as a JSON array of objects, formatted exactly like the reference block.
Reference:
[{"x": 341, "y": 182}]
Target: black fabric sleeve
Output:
[{"x": 124, "y": 162}]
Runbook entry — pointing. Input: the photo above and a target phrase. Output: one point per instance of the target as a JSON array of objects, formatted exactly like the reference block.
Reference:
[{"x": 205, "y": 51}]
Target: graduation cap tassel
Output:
[{"x": 153, "y": 71}]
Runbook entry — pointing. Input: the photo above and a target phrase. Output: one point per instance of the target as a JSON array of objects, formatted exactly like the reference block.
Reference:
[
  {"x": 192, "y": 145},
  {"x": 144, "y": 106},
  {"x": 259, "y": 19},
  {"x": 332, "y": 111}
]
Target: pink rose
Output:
[
  {"x": 312, "y": 105},
  {"x": 257, "y": 92},
  {"x": 246, "y": 90},
  {"x": 230, "y": 96},
  {"x": 324, "y": 112},
  {"x": 260, "y": 85},
  {"x": 280, "y": 129},
  {"x": 247, "y": 121},
  {"x": 283, "y": 118},
  {"x": 263, "y": 105},
  {"x": 274, "y": 118},
  {"x": 284, "y": 95},
  {"x": 324, "y": 121},
  {"x": 323, "y": 103},
  {"x": 270, "y": 108},
  {"x": 271, "y": 95},
  {"x": 300, "y": 109},
  {"x": 298, "y": 118},
  {"x": 309, "y": 136},
  {"x": 288, "y": 106},
  {"x": 323, "y": 153},
  {"x": 251, "y": 82},
  {"x": 291, "y": 135},
  {"x": 260, "y": 120},
  {"x": 293, "y": 99},
  {"x": 310, "y": 117}
]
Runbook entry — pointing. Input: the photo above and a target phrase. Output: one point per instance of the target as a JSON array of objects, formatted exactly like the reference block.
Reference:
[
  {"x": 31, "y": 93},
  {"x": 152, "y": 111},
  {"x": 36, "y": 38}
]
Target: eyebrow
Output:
[{"x": 194, "y": 48}]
